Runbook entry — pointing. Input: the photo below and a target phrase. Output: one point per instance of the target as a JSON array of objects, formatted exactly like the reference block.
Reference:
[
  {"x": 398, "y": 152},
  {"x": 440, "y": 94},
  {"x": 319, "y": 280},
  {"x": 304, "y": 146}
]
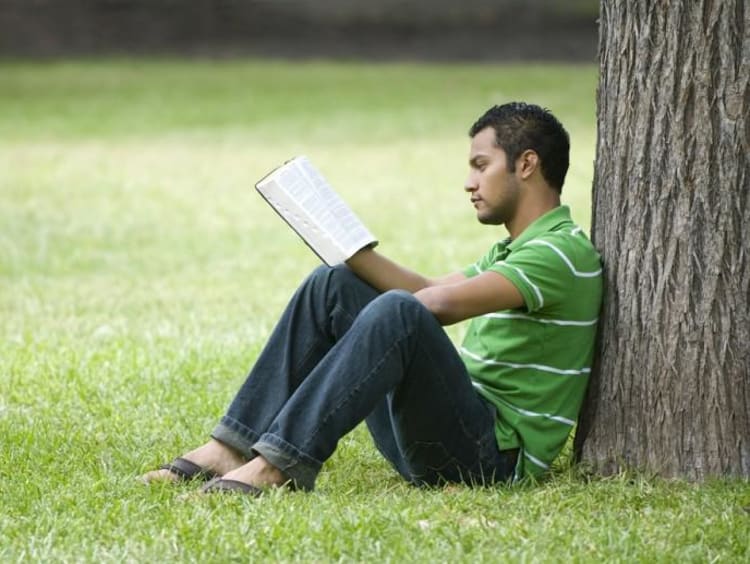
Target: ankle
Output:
[
  {"x": 267, "y": 473},
  {"x": 218, "y": 456}
]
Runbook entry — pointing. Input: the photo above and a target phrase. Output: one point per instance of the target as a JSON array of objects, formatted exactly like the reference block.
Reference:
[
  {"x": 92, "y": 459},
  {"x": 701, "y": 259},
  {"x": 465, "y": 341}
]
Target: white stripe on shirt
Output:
[
  {"x": 535, "y": 460},
  {"x": 521, "y": 273},
  {"x": 526, "y": 412},
  {"x": 577, "y": 273},
  {"x": 540, "y": 320},
  {"x": 542, "y": 367}
]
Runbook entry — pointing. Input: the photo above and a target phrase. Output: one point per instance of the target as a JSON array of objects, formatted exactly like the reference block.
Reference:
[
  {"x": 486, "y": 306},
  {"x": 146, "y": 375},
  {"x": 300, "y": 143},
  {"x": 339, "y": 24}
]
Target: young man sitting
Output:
[{"x": 364, "y": 342}]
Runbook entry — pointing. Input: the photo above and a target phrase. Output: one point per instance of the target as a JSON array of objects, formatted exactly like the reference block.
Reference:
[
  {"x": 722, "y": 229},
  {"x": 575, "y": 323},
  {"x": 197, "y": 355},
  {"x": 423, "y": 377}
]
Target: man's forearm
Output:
[{"x": 384, "y": 274}]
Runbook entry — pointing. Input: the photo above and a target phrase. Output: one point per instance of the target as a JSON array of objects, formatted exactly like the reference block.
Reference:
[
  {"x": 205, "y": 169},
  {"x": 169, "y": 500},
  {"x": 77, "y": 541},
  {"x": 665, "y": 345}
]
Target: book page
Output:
[
  {"x": 334, "y": 215},
  {"x": 308, "y": 203}
]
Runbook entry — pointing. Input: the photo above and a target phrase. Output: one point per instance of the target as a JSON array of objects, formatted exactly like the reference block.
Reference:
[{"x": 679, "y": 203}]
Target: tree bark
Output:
[{"x": 670, "y": 387}]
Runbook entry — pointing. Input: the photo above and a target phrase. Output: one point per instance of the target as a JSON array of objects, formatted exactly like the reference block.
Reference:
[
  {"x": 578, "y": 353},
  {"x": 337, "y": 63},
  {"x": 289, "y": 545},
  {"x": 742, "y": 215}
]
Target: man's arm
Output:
[
  {"x": 451, "y": 298},
  {"x": 470, "y": 297},
  {"x": 383, "y": 274}
]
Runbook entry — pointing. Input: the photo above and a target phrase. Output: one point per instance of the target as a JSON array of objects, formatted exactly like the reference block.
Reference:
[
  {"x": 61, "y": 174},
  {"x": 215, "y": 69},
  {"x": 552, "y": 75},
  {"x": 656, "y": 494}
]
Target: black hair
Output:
[{"x": 519, "y": 126}]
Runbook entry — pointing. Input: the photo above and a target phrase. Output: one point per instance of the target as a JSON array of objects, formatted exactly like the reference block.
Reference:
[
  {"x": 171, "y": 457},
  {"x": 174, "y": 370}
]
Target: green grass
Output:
[{"x": 140, "y": 275}]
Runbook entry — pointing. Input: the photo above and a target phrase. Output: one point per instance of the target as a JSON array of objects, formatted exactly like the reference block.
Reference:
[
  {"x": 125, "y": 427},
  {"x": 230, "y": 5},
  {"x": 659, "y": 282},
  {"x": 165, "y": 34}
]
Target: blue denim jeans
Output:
[{"x": 343, "y": 353}]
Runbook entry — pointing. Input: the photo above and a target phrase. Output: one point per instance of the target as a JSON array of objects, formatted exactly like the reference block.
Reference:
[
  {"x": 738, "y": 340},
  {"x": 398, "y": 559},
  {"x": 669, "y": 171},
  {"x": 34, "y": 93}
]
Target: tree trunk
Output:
[{"x": 670, "y": 388}]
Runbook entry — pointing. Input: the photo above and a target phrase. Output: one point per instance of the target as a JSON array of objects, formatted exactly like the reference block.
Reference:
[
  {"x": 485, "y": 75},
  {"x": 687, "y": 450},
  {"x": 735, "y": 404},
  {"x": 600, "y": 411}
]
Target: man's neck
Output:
[{"x": 530, "y": 212}]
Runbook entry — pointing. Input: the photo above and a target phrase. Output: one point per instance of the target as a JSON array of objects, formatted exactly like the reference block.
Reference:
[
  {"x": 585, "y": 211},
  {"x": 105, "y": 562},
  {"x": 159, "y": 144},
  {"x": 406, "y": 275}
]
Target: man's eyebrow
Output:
[{"x": 473, "y": 161}]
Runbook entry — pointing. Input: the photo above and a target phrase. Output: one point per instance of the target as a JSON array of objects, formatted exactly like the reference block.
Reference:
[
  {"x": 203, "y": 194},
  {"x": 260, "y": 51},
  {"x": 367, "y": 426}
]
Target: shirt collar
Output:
[{"x": 550, "y": 221}]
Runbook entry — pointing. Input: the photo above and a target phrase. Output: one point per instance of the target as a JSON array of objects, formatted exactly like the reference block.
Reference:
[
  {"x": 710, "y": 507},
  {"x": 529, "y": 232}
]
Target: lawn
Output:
[{"x": 140, "y": 275}]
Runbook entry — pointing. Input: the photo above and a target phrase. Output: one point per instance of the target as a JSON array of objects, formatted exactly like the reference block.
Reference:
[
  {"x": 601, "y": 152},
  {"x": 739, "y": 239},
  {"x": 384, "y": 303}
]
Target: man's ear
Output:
[{"x": 527, "y": 163}]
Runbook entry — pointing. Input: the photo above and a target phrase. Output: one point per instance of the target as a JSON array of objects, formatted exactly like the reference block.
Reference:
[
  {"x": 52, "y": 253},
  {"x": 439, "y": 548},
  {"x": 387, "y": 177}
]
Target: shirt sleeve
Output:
[
  {"x": 538, "y": 273},
  {"x": 481, "y": 265}
]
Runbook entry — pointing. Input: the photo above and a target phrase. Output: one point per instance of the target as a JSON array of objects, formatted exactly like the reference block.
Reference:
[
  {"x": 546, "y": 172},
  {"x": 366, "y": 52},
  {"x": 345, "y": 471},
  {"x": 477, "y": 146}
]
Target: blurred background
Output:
[
  {"x": 480, "y": 30},
  {"x": 133, "y": 131}
]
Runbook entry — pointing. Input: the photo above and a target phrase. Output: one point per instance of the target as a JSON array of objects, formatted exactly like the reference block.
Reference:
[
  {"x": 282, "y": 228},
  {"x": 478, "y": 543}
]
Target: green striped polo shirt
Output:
[{"x": 533, "y": 363}]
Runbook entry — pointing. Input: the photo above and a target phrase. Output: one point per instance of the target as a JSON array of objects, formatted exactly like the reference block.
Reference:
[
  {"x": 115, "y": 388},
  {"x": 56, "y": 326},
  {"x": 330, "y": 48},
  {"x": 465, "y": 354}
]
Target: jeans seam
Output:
[{"x": 339, "y": 307}]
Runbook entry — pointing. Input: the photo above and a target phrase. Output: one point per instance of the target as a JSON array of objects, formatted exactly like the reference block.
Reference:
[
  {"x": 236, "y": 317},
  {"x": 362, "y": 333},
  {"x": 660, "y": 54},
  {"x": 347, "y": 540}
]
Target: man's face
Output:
[{"x": 493, "y": 189}]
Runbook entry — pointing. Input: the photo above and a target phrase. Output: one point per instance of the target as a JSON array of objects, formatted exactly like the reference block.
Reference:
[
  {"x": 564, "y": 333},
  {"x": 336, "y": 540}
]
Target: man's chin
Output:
[{"x": 489, "y": 220}]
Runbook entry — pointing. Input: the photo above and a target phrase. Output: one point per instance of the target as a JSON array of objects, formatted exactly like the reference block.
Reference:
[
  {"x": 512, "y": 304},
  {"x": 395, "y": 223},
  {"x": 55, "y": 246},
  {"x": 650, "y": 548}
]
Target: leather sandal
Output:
[
  {"x": 223, "y": 485},
  {"x": 187, "y": 471}
]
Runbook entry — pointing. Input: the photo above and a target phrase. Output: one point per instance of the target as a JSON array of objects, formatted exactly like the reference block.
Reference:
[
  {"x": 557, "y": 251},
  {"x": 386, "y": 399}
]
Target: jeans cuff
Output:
[
  {"x": 297, "y": 466},
  {"x": 235, "y": 435}
]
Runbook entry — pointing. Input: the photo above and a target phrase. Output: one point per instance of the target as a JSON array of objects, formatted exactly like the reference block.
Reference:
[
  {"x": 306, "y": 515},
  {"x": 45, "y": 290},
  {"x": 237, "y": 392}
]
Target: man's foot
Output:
[
  {"x": 213, "y": 458},
  {"x": 251, "y": 478}
]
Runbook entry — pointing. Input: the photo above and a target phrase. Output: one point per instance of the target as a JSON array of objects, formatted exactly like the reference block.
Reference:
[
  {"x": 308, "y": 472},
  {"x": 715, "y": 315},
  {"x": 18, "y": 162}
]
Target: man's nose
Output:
[{"x": 470, "y": 184}]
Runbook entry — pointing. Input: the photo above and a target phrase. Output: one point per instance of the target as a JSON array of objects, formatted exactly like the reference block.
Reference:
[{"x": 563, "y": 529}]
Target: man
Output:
[{"x": 364, "y": 342}]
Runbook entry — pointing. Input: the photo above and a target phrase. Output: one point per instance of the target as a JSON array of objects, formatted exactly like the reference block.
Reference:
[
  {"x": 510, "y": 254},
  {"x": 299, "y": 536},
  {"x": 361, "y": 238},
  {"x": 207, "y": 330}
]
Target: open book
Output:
[{"x": 308, "y": 203}]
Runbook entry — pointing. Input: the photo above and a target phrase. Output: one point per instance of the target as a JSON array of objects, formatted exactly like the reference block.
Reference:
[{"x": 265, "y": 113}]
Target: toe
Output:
[{"x": 161, "y": 475}]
